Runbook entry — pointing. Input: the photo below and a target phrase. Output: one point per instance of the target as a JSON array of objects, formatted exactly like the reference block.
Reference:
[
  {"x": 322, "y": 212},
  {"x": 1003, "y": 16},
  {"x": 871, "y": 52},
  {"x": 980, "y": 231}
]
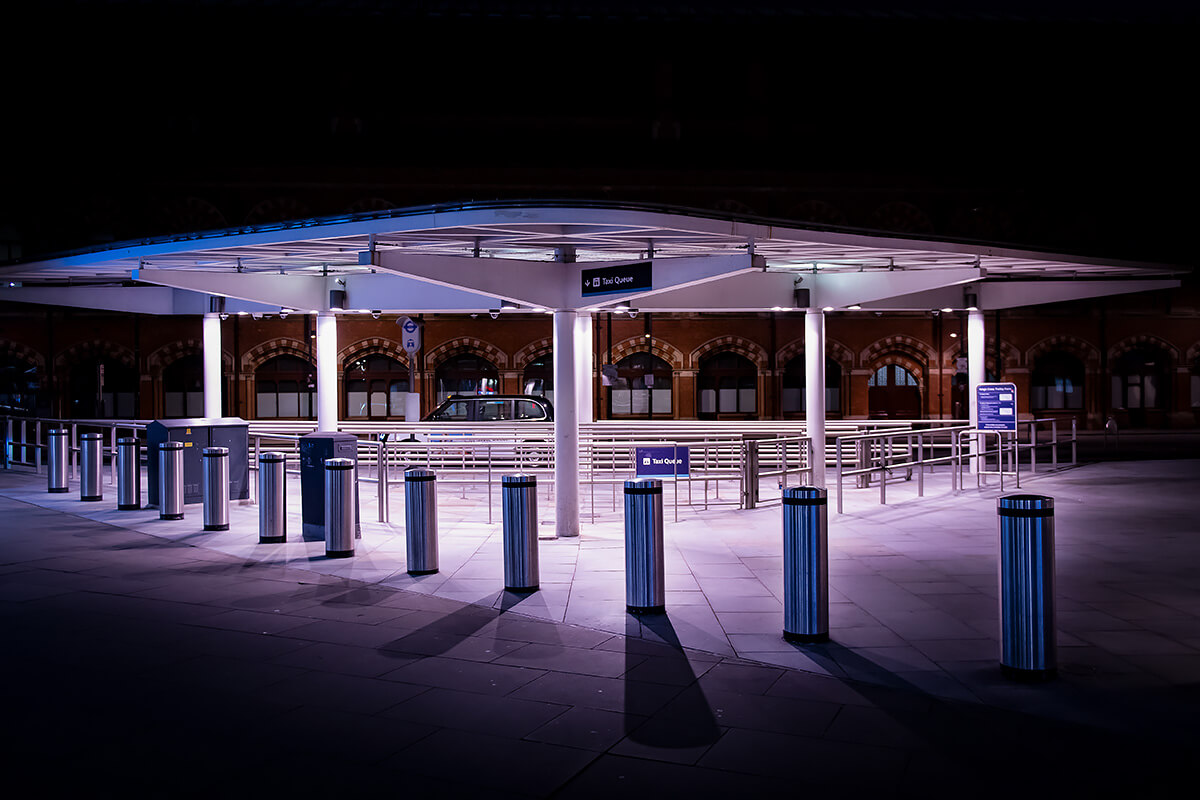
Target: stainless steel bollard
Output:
[
  {"x": 216, "y": 488},
  {"x": 170, "y": 480},
  {"x": 272, "y": 498},
  {"x": 805, "y": 564},
  {"x": 645, "y": 589},
  {"x": 92, "y": 460},
  {"x": 129, "y": 474},
  {"x": 58, "y": 441},
  {"x": 518, "y": 498},
  {"x": 339, "y": 507},
  {"x": 420, "y": 520},
  {"x": 1027, "y": 637}
]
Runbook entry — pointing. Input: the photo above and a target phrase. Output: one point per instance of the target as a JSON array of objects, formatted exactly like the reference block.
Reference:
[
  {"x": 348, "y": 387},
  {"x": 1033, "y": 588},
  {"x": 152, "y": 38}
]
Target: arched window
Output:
[
  {"x": 466, "y": 374},
  {"x": 1141, "y": 379},
  {"x": 893, "y": 393},
  {"x": 102, "y": 389},
  {"x": 641, "y": 388},
  {"x": 539, "y": 377},
  {"x": 375, "y": 387},
  {"x": 19, "y": 384},
  {"x": 1057, "y": 382},
  {"x": 795, "y": 380},
  {"x": 728, "y": 385},
  {"x": 183, "y": 387},
  {"x": 285, "y": 387}
]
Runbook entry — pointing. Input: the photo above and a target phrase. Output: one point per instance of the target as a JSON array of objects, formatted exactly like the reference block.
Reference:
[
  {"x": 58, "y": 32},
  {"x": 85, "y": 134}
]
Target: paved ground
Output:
[{"x": 150, "y": 658}]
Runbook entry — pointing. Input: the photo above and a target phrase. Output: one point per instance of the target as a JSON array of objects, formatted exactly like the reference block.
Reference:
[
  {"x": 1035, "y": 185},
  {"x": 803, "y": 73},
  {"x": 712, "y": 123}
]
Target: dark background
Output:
[{"x": 1052, "y": 125}]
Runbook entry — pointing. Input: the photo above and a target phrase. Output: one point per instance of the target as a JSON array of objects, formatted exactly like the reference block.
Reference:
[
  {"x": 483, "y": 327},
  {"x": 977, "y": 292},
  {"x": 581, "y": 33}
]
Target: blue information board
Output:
[
  {"x": 997, "y": 406},
  {"x": 658, "y": 461}
]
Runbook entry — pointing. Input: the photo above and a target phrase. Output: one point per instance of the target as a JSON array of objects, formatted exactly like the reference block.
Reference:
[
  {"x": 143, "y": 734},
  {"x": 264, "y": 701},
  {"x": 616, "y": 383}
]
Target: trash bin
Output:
[
  {"x": 805, "y": 564},
  {"x": 59, "y": 443},
  {"x": 216, "y": 488},
  {"x": 420, "y": 520},
  {"x": 339, "y": 508},
  {"x": 1028, "y": 650},
  {"x": 645, "y": 586},
  {"x": 518, "y": 496},
  {"x": 272, "y": 498},
  {"x": 129, "y": 474},
  {"x": 170, "y": 484},
  {"x": 91, "y": 446}
]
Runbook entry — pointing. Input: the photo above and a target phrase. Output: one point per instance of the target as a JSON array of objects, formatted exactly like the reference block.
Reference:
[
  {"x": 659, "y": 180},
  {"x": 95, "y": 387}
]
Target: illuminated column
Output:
[
  {"x": 814, "y": 389},
  {"x": 566, "y": 426},
  {"x": 212, "y": 365},
  {"x": 976, "y": 369},
  {"x": 584, "y": 366},
  {"x": 327, "y": 405}
]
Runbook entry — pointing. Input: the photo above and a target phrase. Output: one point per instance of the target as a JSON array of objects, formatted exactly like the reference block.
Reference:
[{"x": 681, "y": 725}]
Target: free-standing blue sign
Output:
[
  {"x": 997, "y": 406},
  {"x": 622, "y": 278},
  {"x": 652, "y": 461}
]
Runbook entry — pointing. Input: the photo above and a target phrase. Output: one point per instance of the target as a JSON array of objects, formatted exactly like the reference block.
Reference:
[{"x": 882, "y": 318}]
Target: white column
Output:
[
  {"x": 814, "y": 389},
  {"x": 584, "y": 366},
  {"x": 566, "y": 426},
  {"x": 976, "y": 369},
  {"x": 327, "y": 367},
  {"x": 212, "y": 365}
]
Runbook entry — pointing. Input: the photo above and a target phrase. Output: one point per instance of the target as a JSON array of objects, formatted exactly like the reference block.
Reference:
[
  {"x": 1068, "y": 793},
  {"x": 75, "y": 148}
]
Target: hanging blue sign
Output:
[
  {"x": 997, "y": 406},
  {"x": 622, "y": 278},
  {"x": 659, "y": 461}
]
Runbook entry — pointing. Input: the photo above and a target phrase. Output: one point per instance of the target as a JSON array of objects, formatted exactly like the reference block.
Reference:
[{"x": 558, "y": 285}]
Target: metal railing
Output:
[
  {"x": 17, "y": 439},
  {"x": 882, "y": 454}
]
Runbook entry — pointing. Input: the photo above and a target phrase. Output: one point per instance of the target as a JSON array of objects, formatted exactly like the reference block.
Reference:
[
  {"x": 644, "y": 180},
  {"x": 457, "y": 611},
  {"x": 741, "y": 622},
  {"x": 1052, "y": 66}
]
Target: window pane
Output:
[
  {"x": 396, "y": 398},
  {"x": 640, "y": 401},
  {"x": 621, "y": 402},
  {"x": 195, "y": 404},
  {"x": 727, "y": 399},
  {"x": 173, "y": 404},
  {"x": 747, "y": 400},
  {"x": 793, "y": 399},
  {"x": 289, "y": 404},
  {"x": 661, "y": 401},
  {"x": 708, "y": 401},
  {"x": 833, "y": 400},
  {"x": 527, "y": 409},
  {"x": 356, "y": 403},
  {"x": 378, "y": 404}
]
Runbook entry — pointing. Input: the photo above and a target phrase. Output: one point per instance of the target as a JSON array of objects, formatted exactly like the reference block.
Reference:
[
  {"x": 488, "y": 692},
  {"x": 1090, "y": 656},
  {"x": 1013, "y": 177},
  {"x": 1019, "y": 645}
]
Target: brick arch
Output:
[
  {"x": 20, "y": 352},
  {"x": 734, "y": 344},
  {"x": 375, "y": 345},
  {"x": 911, "y": 348},
  {"x": 1193, "y": 354},
  {"x": 637, "y": 344},
  {"x": 1129, "y": 343},
  {"x": 531, "y": 351},
  {"x": 1010, "y": 354},
  {"x": 834, "y": 349},
  {"x": 97, "y": 348},
  {"x": 171, "y": 352},
  {"x": 466, "y": 344},
  {"x": 1082, "y": 349},
  {"x": 260, "y": 354}
]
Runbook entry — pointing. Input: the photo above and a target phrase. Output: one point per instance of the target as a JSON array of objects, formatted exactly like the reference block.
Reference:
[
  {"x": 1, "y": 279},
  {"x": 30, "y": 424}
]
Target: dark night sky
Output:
[{"x": 1087, "y": 103}]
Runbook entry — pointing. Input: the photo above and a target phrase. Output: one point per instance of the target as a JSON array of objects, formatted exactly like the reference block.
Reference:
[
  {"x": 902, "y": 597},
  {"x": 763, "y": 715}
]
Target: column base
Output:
[
  {"x": 1028, "y": 675},
  {"x": 272, "y": 539},
  {"x": 170, "y": 516},
  {"x": 805, "y": 638},
  {"x": 224, "y": 527},
  {"x": 63, "y": 490},
  {"x": 422, "y": 572},
  {"x": 521, "y": 589},
  {"x": 339, "y": 553},
  {"x": 129, "y": 507},
  {"x": 646, "y": 609},
  {"x": 92, "y": 498}
]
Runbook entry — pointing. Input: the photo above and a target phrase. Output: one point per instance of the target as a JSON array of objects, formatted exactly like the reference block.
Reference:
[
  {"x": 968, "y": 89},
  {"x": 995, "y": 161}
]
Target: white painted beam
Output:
[
  {"x": 1013, "y": 294},
  {"x": 395, "y": 294},
  {"x": 298, "y": 292},
  {"x": 841, "y": 289},
  {"x": 531, "y": 283}
]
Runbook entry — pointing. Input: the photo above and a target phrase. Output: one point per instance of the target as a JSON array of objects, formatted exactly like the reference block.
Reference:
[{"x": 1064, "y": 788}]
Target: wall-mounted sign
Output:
[
  {"x": 612, "y": 280},
  {"x": 410, "y": 334},
  {"x": 661, "y": 461},
  {"x": 997, "y": 406}
]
